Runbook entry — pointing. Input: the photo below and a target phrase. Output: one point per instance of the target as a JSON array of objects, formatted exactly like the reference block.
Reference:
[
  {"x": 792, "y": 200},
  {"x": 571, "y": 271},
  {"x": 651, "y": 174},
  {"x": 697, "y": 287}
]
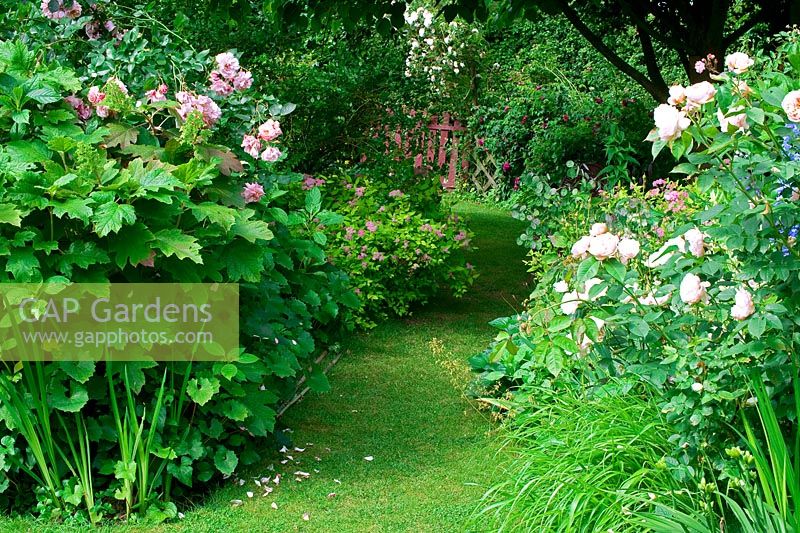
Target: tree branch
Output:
[
  {"x": 650, "y": 60},
  {"x": 746, "y": 26},
  {"x": 658, "y": 90}
]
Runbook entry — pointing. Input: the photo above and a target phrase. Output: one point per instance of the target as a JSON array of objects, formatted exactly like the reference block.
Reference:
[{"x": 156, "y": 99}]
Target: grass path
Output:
[
  {"x": 396, "y": 396},
  {"x": 395, "y": 400}
]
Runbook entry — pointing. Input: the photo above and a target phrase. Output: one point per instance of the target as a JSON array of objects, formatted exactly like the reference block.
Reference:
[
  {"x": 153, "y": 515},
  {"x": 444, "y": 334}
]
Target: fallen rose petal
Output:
[
  {"x": 236, "y": 503},
  {"x": 306, "y": 517},
  {"x": 274, "y": 505},
  {"x": 368, "y": 458},
  {"x": 249, "y": 493},
  {"x": 331, "y": 495}
]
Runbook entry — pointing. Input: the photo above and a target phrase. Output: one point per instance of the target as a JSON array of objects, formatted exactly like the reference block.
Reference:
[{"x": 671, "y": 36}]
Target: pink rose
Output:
[
  {"x": 700, "y": 66},
  {"x": 251, "y": 145},
  {"x": 270, "y": 154},
  {"x": 694, "y": 237},
  {"x": 252, "y": 192},
  {"x": 570, "y": 302},
  {"x": 269, "y": 130},
  {"x": 603, "y": 246},
  {"x": 228, "y": 65},
  {"x": 122, "y": 87},
  {"x": 243, "y": 80},
  {"x": 628, "y": 249},
  {"x": 693, "y": 289},
  {"x": 95, "y": 95},
  {"x": 699, "y": 94},
  {"x": 738, "y": 62},
  {"x": 743, "y": 307},
  {"x": 736, "y": 120},
  {"x": 677, "y": 95},
  {"x": 102, "y": 111},
  {"x": 791, "y": 105},
  {"x": 581, "y": 248},
  {"x": 598, "y": 229},
  {"x": 670, "y": 122},
  {"x": 219, "y": 85}
]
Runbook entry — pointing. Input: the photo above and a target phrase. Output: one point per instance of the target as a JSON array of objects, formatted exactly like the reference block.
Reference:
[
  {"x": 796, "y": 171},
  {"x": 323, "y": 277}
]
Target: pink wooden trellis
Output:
[{"x": 435, "y": 146}]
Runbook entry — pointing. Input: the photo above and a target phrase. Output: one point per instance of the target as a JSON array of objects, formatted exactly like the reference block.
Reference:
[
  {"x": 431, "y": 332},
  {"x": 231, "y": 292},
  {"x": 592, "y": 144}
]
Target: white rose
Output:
[
  {"x": 791, "y": 105},
  {"x": 677, "y": 95},
  {"x": 581, "y": 248},
  {"x": 693, "y": 289},
  {"x": 628, "y": 249},
  {"x": 570, "y": 302},
  {"x": 603, "y": 246},
  {"x": 598, "y": 229},
  {"x": 743, "y": 307},
  {"x": 737, "y": 120},
  {"x": 695, "y": 239},
  {"x": 561, "y": 286},
  {"x": 738, "y": 62},
  {"x": 670, "y": 122},
  {"x": 699, "y": 94}
]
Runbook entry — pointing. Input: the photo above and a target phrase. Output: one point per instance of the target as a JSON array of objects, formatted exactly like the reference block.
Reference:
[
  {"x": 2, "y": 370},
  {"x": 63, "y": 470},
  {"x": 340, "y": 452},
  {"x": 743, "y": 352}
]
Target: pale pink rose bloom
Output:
[
  {"x": 699, "y": 94},
  {"x": 743, "y": 307},
  {"x": 243, "y": 80},
  {"x": 110, "y": 26},
  {"x": 228, "y": 65},
  {"x": 694, "y": 237},
  {"x": 693, "y": 289},
  {"x": 95, "y": 95},
  {"x": 738, "y": 62},
  {"x": 677, "y": 95},
  {"x": 81, "y": 108},
  {"x": 603, "y": 246},
  {"x": 670, "y": 122},
  {"x": 561, "y": 286},
  {"x": 700, "y": 66},
  {"x": 159, "y": 94},
  {"x": 102, "y": 111},
  {"x": 738, "y": 120},
  {"x": 251, "y": 145},
  {"x": 652, "y": 299},
  {"x": 598, "y": 229},
  {"x": 570, "y": 302},
  {"x": 270, "y": 154},
  {"x": 628, "y": 249},
  {"x": 269, "y": 130},
  {"x": 252, "y": 192},
  {"x": 581, "y": 248},
  {"x": 791, "y": 105}
]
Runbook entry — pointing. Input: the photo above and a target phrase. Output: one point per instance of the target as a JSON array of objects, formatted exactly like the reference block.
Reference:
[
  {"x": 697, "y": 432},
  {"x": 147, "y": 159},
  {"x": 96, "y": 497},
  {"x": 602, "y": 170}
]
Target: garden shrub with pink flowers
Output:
[
  {"x": 111, "y": 183},
  {"x": 396, "y": 242},
  {"x": 689, "y": 289}
]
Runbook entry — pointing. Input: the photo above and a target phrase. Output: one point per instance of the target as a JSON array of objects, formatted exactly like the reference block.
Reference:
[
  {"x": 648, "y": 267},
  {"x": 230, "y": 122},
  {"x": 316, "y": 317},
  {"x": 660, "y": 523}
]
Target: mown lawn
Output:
[{"x": 396, "y": 397}]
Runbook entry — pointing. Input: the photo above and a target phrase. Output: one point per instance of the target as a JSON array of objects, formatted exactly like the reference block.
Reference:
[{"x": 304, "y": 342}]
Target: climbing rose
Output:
[
  {"x": 219, "y": 85},
  {"x": 699, "y": 94},
  {"x": 670, "y": 122},
  {"x": 791, "y": 105},
  {"x": 95, "y": 95},
  {"x": 627, "y": 249},
  {"x": 506, "y": 166},
  {"x": 159, "y": 94},
  {"x": 92, "y": 30},
  {"x": 677, "y": 95},
  {"x": 737, "y": 120},
  {"x": 397, "y": 193},
  {"x": 270, "y": 154},
  {"x": 581, "y": 248},
  {"x": 251, "y": 145},
  {"x": 73, "y": 12},
  {"x": 660, "y": 257},
  {"x": 252, "y": 192},
  {"x": 102, "y": 111},
  {"x": 693, "y": 290},
  {"x": 603, "y": 246},
  {"x": 205, "y": 105},
  {"x": 743, "y": 307},
  {"x": 694, "y": 237},
  {"x": 243, "y": 80},
  {"x": 700, "y": 66},
  {"x": 269, "y": 130},
  {"x": 598, "y": 229},
  {"x": 738, "y": 62},
  {"x": 80, "y": 107},
  {"x": 228, "y": 64}
]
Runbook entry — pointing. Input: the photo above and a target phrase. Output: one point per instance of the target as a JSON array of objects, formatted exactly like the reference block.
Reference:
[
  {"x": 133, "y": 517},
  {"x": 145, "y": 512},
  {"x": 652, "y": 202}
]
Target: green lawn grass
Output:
[{"x": 396, "y": 396}]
